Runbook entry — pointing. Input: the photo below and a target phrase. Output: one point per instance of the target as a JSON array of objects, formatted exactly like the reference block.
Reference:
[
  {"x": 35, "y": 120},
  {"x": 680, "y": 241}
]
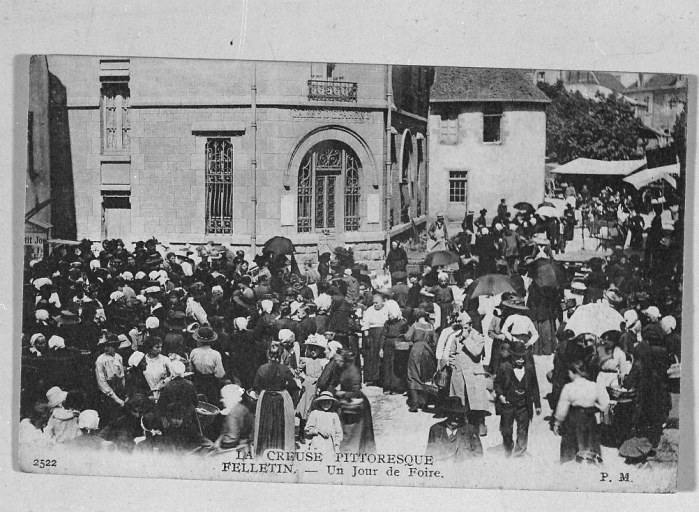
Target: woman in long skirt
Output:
[
  {"x": 311, "y": 366},
  {"x": 373, "y": 320},
  {"x": 544, "y": 309},
  {"x": 394, "y": 363},
  {"x": 576, "y": 421},
  {"x": 274, "y": 417},
  {"x": 355, "y": 409},
  {"x": 422, "y": 363}
]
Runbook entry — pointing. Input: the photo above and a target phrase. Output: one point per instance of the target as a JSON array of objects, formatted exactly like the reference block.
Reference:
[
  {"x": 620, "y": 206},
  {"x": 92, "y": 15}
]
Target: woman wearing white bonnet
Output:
[
  {"x": 292, "y": 349},
  {"x": 323, "y": 302},
  {"x": 241, "y": 323},
  {"x": 56, "y": 343},
  {"x": 152, "y": 322},
  {"x": 239, "y": 419},
  {"x": 632, "y": 331},
  {"x": 136, "y": 382},
  {"x": 266, "y": 306},
  {"x": 37, "y": 344},
  {"x": 41, "y": 315},
  {"x": 116, "y": 297},
  {"x": 247, "y": 357},
  {"x": 394, "y": 362}
]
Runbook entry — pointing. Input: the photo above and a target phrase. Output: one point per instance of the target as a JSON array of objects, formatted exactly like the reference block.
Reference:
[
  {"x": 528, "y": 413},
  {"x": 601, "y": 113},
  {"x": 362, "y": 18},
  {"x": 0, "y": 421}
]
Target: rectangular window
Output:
[
  {"x": 458, "y": 186},
  {"x": 116, "y": 215},
  {"x": 492, "y": 116},
  {"x": 219, "y": 186},
  {"x": 449, "y": 129},
  {"x": 116, "y": 125}
]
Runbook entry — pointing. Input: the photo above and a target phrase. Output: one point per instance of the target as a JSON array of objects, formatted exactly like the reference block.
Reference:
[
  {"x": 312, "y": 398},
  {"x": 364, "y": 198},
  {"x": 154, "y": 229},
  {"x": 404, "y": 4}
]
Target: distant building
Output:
[
  {"x": 235, "y": 152},
  {"x": 661, "y": 98},
  {"x": 487, "y": 140}
]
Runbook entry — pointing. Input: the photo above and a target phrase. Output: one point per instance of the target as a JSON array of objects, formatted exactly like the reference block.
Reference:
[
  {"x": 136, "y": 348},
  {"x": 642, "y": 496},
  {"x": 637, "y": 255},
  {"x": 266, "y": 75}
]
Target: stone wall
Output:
[{"x": 175, "y": 105}]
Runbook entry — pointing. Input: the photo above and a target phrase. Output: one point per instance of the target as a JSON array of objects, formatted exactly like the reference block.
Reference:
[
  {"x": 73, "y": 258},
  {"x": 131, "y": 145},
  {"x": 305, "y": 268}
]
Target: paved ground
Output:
[{"x": 399, "y": 431}]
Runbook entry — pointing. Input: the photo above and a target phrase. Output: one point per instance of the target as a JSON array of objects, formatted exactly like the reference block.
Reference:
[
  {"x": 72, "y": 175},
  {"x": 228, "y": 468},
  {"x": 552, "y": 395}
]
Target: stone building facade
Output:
[
  {"x": 487, "y": 140},
  {"x": 661, "y": 99},
  {"x": 235, "y": 152},
  {"x": 37, "y": 201}
]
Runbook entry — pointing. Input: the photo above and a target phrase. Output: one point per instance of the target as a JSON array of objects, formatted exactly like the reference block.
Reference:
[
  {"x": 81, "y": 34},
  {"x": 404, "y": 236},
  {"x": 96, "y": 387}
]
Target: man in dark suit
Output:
[
  {"x": 517, "y": 392},
  {"x": 453, "y": 439}
]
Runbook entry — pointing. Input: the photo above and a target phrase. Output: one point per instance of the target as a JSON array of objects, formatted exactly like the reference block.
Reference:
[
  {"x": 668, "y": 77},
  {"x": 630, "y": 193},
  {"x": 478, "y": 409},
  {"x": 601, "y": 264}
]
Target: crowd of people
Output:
[{"x": 197, "y": 349}]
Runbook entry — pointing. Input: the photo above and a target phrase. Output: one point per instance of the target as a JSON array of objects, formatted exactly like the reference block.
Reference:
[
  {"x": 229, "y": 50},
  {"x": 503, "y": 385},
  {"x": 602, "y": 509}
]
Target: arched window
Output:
[{"x": 328, "y": 183}]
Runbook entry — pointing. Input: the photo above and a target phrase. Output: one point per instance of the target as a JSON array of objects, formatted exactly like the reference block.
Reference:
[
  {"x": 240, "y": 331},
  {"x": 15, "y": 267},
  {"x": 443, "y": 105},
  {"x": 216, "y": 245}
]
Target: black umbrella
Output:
[
  {"x": 441, "y": 259},
  {"x": 548, "y": 274},
  {"x": 279, "y": 245},
  {"x": 489, "y": 284},
  {"x": 547, "y": 203},
  {"x": 525, "y": 207}
]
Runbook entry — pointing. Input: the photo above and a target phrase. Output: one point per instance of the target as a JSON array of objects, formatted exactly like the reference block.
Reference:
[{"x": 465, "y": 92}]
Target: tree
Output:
[
  {"x": 679, "y": 137},
  {"x": 603, "y": 128}
]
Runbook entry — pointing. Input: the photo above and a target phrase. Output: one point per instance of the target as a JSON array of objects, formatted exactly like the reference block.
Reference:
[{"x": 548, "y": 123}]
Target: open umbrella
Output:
[
  {"x": 547, "y": 203},
  {"x": 441, "y": 259},
  {"x": 548, "y": 274},
  {"x": 489, "y": 284},
  {"x": 525, "y": 207},
  {"x": 595, "y": 318},
  {"x": 548, "y": 211},
  {"x": 279, "y": 245}
]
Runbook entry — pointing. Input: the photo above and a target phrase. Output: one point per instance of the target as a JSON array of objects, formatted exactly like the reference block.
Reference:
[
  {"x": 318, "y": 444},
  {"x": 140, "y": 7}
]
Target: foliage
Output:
[
  {"x": 603, "y": 128},
  {"x": 679, "y": 136}
]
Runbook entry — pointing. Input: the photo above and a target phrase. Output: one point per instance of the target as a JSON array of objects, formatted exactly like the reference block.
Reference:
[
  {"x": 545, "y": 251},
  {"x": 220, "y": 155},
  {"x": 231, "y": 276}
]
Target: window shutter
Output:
[
  {"x": 338, "y": 72},
  {"x": 318, "y": 71}
]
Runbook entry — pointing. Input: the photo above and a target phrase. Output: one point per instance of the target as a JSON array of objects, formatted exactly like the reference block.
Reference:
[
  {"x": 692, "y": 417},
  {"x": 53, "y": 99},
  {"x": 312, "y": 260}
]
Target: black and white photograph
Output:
[{"x": 357, "y": 274}]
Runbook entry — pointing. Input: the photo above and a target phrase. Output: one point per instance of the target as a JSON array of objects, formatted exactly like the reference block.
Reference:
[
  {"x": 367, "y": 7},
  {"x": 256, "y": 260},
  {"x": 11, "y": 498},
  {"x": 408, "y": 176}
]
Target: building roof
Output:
[
  {"x": 609, "y": 81},
  {"x": 482, "y": 84},
  {"x": 660, "y": 81}
]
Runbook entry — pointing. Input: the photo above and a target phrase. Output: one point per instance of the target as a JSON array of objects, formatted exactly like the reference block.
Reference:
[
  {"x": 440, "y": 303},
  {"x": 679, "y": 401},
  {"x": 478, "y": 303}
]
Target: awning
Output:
[
  {"x": 646, "y": 176},
  {"x": 587, "y": 166}
]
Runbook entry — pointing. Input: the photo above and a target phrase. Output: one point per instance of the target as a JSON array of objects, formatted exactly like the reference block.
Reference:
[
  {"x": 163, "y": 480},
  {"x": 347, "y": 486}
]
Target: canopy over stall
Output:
[
  {"x": 646, "y": 176},
  {"x": 590, "y": 167}
]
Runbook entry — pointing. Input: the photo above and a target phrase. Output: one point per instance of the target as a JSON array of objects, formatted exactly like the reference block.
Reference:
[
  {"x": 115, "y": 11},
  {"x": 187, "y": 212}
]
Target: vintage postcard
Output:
[{"x": 353, "y": 273}]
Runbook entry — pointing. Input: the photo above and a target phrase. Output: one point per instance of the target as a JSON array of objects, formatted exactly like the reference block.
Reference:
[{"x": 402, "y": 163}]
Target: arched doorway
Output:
[{"x": 329, "y": 189}]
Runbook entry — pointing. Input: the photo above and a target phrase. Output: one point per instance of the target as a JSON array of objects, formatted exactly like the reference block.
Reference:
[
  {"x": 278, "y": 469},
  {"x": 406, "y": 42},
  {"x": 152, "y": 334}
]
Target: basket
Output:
[
  {"x": 431, "y": 388},
  {"x": 206, "y": 413},
  {"x": 352, "y": 406},
  {"x": 620, "y": 394}
]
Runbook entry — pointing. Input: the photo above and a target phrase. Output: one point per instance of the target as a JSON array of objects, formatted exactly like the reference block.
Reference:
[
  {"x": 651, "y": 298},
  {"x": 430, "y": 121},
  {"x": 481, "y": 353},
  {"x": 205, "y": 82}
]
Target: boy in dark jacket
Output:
[{"x": 517, "y": 396}]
